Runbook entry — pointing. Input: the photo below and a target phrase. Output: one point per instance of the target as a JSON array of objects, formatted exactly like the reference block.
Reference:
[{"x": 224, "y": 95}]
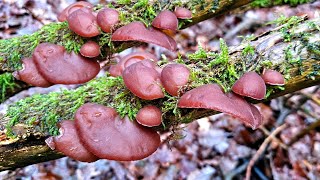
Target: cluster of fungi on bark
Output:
[{"x": 98, "y": 132}]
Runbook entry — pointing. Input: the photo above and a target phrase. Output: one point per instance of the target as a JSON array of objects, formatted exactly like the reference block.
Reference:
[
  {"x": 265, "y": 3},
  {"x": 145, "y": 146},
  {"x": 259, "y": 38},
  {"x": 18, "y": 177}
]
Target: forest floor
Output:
[{"x": 216, "y": 147}]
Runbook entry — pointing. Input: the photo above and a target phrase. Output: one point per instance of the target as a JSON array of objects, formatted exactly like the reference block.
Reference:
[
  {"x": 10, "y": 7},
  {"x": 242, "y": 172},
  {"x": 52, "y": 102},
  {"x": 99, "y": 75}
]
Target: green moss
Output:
[
  {"x": 7, "y": 83},
  {"x": 268, "y": 3},
  {"x": 248, "y": 50}
]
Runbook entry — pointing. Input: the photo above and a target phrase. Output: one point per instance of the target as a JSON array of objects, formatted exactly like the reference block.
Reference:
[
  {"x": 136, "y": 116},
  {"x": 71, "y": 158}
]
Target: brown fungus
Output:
[
  {"x": 173, "y": 77},
  {"x": 211, "y": 96},
  {"x": 183, "y": 13},
  {"x": 83, "y": 23},
  {"x": 149, "y": 116},
  {"x": 73, "y": 7},
  {"x": 59, "y": 67},
  {"x": 106, "y": 135},
  {"x": 69, "y": 144},
  {"x": 107, "y": 18},
  {"x": 30, "y": 74},
  {"x": 116, "y": 70},
  {"x": 137, "y": 31},
  {"x": 272, "y": 77},
  {"x": 90, "y": 49},
  {"x": 166, "y": 20},
  {"x": 143, "y": 80},
  {"x": 250, "y": 85}
]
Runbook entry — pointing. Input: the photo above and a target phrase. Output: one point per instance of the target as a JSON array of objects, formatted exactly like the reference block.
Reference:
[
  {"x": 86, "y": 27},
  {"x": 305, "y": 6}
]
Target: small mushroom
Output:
[
  {"x": 137, "y": 31},
  {"x": 30, "y": 74},
  {"x": 166, "y": 20},
  {"x": 73, "y": 7},
  {"x": 116, "y": 70},
  {"x": 183, "y": 13},
  {"x": 143, "y": 80},
  {"x": 83, "y": 23},
  {"x": 250, "y": 85},
  {"x": 173, "y": 77},
  {"x": 106, "y": 135},
  {"x": 107, "y": 18},
  {"x": 69, "y": 144},
  {"x": 90, "y": 49},
  {"x": 149, "y": 116},
  {"x": 59, "y": 67},
  {"x": 211, "y": 96},
  {"x": 272, "y": 77}
]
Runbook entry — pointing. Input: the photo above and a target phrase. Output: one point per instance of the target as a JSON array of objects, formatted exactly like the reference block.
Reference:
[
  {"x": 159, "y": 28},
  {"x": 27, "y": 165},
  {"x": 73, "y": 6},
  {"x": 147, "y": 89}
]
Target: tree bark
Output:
[{"x": 291, "y": 48}]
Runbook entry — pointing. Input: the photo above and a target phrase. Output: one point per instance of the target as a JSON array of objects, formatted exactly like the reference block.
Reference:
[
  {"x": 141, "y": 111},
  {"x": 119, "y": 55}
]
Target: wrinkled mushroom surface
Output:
[
  {"x": 73, "y": 7},
  {"x": 90, "y": 49},
  {"x": 211, "y": 96},
  {"x": 250, "y": 84},
  {"x": 30, "y": 74},
  {"x": 173, "y": 77},
  {"x": 59, "y": 67},
  {"x": 83, "y": 23},
  {"x": 143, "y": 81},
  {"x": 107, "y": 18},
  {"x": 272, "y": 77},
  {"x": 137, "y": 31},
  {"x": 106, "y": 135},
  {"x": 149, "y": 116},
  {"x": 69, "y": 144}
]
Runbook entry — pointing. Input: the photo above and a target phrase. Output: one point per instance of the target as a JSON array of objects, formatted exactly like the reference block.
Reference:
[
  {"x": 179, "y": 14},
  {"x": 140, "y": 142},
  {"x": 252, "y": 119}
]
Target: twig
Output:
[
  {"x": 266, "y": 132},
  {"x": 261, "y": 149},
  {"x": 305, "y": 131},
  {"x": 236, "y": 171}
]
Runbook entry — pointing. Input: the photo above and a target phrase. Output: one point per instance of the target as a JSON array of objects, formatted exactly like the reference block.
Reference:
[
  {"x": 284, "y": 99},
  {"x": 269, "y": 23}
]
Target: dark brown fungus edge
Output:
[
  {"x": 211, "y": 96},
  {"x": 69, "y": 143},
  {"x": 250, "y": 84},
  {"x": 106, "y": 135}
]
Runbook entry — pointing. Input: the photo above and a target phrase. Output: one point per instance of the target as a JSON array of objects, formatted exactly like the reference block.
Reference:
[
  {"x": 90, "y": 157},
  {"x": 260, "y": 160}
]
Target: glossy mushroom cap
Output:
[
  {"x": 59, "y": 67},
  {"x": 83, "y": 23},
  {"x": 166, "y": 20},
  {"x": 137, "y": 31},
  {"x": 250, "y": 85},
  {"x": 173, "y": 77},
  {"x": 107, "y": 18},
  {"x": 116, "y": 70},
  {"x": 272, "y": 77},
  {"x": 69, "y": 144},
  {"x": 183, "y": 13},
  {"x": 143, "y": 80},
  {"x": 211, "y": 96},
  {"x": 106, "y": 135},
  {"x": 30, "y": 74},
  {"x": 73, "y": 7},
  {"x": 90, "y": 49},
  {"x": 149, "y": 116}
]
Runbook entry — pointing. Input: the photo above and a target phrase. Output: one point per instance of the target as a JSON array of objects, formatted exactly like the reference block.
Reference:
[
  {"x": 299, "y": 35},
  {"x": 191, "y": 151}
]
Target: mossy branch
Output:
[{"x": 292, "y": 49}]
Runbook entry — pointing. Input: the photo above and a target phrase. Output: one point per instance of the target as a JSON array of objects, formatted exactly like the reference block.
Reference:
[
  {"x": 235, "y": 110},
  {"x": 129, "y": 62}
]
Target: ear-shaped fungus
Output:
[
  {"x": 116, "y": 70},
  {"x": 73, "y": 7},
  {"x": 107, "y": 18},
  {"x": 69, "y": 144},
  {"x": 173, "y": 77},
  {"x": 83, "y": 23},
  {"x": 107, "y": 136},
  {"x": 272, "y": 77},
  {"x": 90, "y": 49},
  {"x": 149, "y": 116},
  {"x": 30, "y": 74},
  {"x": 143, "y": 80},
  {"x": 137, "y": 31},
  {"x": 250, "y": 85},
  {"x": 211, "y": 96},
  {"x": 59, "y": 67},
  {"x": 166, "y": 20},
  {"x": 183, "y": 13}
]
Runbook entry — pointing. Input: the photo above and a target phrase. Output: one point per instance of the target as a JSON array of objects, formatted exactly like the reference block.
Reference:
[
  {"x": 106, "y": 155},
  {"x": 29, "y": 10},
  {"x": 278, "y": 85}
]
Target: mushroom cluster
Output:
[
  {"x": 45, "y": 67},
  {"x": 98, "y": 132}
]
